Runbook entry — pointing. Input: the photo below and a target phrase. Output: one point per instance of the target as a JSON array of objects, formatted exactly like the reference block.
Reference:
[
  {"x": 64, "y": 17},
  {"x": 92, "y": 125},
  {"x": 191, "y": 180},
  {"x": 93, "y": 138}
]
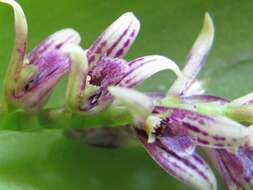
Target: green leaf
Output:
[{"x": 49, "y": 161}]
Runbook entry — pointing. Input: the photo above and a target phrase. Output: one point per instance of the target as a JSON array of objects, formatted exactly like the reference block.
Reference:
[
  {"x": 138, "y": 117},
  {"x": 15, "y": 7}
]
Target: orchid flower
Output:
[
  {"x": 171, "y": 129},
  {"x": 102, "y": 65},
  {"x": 170, "y": 136},
  {"x": 175, "y": 153},
  {"x": 236, "y": 167},
  {"x": 31, "y": 77}
]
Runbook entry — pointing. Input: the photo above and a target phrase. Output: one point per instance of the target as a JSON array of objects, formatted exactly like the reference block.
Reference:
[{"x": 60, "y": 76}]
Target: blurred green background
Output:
[{"x": 46, "y": 160}]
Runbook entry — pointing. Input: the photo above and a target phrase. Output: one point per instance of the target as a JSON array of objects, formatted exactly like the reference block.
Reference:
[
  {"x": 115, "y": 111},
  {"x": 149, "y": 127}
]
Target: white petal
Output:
[
  {"x": 196, "y": 58},
  {"x": 116, "y": 39},
  {"x": 144, "y": 67}
]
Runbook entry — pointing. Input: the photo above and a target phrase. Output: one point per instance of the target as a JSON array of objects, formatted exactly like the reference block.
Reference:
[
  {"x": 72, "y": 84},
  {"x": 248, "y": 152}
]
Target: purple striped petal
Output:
[
  {"x": 36, "y": 92},
  {"x": 144, "y": 67},
  {"x": 50, "y": 64},
  {"x": 54, "y": 42},
  {"x": 230, "y": 182},
  {"x": 117, "y": 72},
  {"x": 216, "y": 131},
  {"x": 182, "y": 144},
  {"x": 115, "y": 41},
  {"x": 236, "y": 168},
  {"x": 107, "y": 72},
  {"x": 45, "y": 64},
  {"x": 190, "y": 169},
  {"x": 196, "y": 58}
]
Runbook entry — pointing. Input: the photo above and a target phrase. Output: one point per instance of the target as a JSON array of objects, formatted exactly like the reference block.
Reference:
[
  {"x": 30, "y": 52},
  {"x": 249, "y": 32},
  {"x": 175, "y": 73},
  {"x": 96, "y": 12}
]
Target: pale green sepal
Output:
[
  {"x": 196, "y": 58},
  {"x": 18, "y": 52},
  {"x": 138, "y": 104}
]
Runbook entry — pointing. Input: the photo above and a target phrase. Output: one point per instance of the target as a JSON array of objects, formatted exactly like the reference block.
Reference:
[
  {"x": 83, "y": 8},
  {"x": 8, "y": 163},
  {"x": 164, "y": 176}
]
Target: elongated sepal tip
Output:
[
  {"x": 196, "y": 58},
  {"x": 208, "y": 29},
  {"x": 18, "y": 52},
  {"x": 17, "y": 8},
  {"x": 20, "y": 19},
  {"x": 203, "y": 43},
  {"x": 139, "y": 105}
]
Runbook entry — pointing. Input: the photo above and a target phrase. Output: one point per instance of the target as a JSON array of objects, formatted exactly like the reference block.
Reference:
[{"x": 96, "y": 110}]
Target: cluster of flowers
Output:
[{"x": 172, "y": 127}]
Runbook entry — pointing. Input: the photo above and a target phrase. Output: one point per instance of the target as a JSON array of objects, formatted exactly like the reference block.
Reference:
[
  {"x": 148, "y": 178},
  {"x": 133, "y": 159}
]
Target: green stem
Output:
[
  {"x": 240, "y": 113},
  {"x": 112, "y": 117}
]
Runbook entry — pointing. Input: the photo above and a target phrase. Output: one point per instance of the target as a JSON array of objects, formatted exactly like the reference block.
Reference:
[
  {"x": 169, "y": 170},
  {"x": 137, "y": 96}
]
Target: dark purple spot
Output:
[
  {"x": 117, "y": 41},
  {"x": 218, "y": 138},
  {"x": 202, "y": 141},
  {"x": 133, "y": 33},
  {"x": 219, "y": 145},
  {"x": 59, "y": 46},
  {"x": 204, "y": 133},
  {"x": 91, "y": 58}
]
